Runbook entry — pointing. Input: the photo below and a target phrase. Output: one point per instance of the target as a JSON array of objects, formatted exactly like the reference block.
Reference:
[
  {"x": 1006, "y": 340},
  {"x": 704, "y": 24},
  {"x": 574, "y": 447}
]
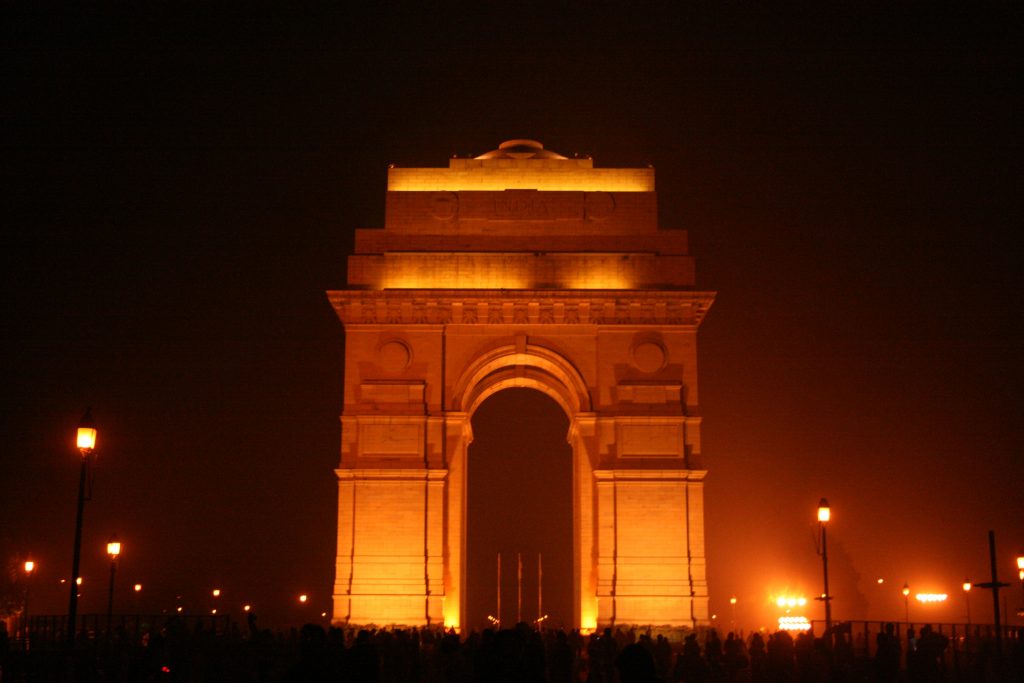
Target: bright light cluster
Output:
[
  {"x": 794, "y": 624},
  {"x": 790, "y": 602},
  {"x": 931, "y": 597}
]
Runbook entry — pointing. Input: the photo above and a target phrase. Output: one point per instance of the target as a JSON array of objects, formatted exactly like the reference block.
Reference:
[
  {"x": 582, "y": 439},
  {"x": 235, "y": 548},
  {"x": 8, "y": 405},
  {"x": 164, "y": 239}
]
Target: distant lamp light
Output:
[
  {"x": 967, "y": 586},
  {"x": 114, "y": 547},
  {"x": 824, "y": 511},
  {"x": 794, "y": 624},
  {"x": 86, "y": 440},
  {"x": 216, "y": 592},
  {"x": 29, "y": 566},
  {"x": 246, "y": 608},
  {"x": 138, "y": 587},
  {"x": 78, "y": 581},
  {"x": 213, "y": 611},
  {"x": 732, "y": 600},
  {"x": 906, "y": 590},
  {"x": 179, "y": 609},
  {"x": 881, "y": 581},
  {"x": 1020, "y": 561},
  {"x": 303, "y": 598}
]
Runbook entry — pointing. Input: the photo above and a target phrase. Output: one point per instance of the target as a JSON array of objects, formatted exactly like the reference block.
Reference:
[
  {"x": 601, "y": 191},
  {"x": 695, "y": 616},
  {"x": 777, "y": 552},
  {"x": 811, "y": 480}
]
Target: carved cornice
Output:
[{"x": 502, "y": 307}]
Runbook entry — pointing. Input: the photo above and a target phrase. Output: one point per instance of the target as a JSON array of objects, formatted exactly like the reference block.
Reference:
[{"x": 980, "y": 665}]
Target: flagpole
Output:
[
  {"x": 540, "y": 589},
  {"x": 519, "y": 587}
]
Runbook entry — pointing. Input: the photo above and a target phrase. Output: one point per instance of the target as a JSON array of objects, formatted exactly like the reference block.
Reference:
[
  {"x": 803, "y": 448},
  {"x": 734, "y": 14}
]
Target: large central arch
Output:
[
  {"x": 479, "y": 283},
  {"x": 533, "y": 367}
]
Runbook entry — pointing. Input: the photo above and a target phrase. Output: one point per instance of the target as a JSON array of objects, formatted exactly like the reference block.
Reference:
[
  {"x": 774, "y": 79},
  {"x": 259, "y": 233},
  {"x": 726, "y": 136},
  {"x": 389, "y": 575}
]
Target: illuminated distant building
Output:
[{"x": 521, "y": 268}]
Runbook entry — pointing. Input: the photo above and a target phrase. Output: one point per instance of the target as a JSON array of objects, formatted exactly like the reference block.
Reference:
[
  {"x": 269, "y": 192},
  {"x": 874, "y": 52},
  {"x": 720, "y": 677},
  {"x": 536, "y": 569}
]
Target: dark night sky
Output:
[{"x": 180, "y": 187}]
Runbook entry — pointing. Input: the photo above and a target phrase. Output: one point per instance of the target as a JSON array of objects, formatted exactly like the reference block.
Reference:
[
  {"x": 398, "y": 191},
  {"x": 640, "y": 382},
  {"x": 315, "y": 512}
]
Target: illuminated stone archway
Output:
[{"x": 521, "y": 268}]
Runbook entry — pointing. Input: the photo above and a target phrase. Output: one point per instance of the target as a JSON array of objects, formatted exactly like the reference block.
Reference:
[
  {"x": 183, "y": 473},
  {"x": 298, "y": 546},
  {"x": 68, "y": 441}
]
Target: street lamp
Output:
[
  {"x": 113, "y": 550},
  {"x": 1020, "y": 575},
  {"x": 732, "y": 606},
  {"x": 86, "y": 443},
  {"x": 30, "y": 567},
  {"x": 967, "y": 599},
  {"x": 906, "y": 602},
  {"x": 824, "y": 517}
]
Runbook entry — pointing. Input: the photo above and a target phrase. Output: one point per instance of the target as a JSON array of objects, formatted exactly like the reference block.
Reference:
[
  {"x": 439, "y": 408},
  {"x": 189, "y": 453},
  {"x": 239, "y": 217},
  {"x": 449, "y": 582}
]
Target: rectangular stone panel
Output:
[
  {"x": 521, "y": 213},
  {"x": 645, "y": 440},
  {"x": 390, "y": 439}
]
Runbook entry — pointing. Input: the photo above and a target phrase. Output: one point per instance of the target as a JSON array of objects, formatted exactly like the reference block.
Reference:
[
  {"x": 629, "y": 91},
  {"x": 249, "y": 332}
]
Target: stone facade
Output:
[{"x": 521, "y": 268}]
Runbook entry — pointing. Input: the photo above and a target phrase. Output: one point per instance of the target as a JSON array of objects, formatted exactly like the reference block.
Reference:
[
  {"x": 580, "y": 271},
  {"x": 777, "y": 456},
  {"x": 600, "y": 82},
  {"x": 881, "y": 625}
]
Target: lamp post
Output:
[
  {"x": 86, "y": 443},
  {"x": 732, "y": 606},
  {"x": 113, "y": 550},
  {"x": 906, "y": 602},
  {"x": 30, "y": 567},
  {"x": 824, "y": 517},
  {"x": 967, "y": 599}
]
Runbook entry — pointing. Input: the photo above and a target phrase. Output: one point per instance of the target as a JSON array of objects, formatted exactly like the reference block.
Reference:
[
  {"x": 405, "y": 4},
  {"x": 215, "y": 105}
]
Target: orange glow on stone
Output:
[{"x": 571, "y": 176}]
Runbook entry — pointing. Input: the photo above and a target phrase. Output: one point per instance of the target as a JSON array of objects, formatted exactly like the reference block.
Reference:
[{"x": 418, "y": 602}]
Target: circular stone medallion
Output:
[
  {"x": 393, "y": 356},
  {"x": 649, "y": 356},
  {"x": 444, "y": 206}
]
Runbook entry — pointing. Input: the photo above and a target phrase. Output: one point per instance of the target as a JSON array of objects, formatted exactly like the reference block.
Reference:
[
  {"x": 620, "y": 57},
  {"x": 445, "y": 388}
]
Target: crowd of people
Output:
[{"x": 177, "y": 651}]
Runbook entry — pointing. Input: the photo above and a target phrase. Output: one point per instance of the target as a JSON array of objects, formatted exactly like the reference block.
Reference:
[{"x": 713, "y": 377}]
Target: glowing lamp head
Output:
[
  {"x": 303, "y": 598},
  {"x": 732, "y": 600},
  {"x": 1020, "y": 561},
  {"x": 86, "y": 440},
  {"x": 113, "y": 547},
  {"x": 906, "y": 590},
  {"x": 824, "y": 511},
  {"x": 246, "y": 608},
  {"x": 216, "y": 592},
  {"x": 29, "y": 566},
  {"x": 967, "y": 586},
  {"x": 78, "y": 581},
  {"x": 138, "y": 587}
]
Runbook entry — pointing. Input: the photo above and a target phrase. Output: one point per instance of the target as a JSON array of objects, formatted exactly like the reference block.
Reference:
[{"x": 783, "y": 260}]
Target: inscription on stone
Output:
[{"x": 520, "y": 206}]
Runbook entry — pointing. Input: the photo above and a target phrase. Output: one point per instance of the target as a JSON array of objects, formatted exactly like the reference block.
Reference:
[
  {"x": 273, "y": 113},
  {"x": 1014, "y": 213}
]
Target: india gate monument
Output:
[{"x": 521, "y": 268}]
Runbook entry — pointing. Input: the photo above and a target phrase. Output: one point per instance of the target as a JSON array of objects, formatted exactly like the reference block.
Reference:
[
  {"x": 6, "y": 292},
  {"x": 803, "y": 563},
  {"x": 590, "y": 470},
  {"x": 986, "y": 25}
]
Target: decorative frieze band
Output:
[{"x": 500, "y": 307}]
